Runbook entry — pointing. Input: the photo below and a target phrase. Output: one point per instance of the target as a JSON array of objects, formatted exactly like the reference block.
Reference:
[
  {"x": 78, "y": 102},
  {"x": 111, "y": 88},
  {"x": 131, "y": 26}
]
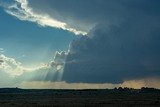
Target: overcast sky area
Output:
[{"x": 79, "y": 44}]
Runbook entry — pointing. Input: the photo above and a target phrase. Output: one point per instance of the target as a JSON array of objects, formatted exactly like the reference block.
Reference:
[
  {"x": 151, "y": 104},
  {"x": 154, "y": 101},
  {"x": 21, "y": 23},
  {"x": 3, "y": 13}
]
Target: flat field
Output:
[{"x": 15, "y": 97}]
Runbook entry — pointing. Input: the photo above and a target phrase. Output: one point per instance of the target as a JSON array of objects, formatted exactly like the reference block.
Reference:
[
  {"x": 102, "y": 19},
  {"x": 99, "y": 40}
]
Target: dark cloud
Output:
[
  {"x": 123, "y": 39},
  {"x": 83, "y": 15},
  {"x": 115, "y": 53}
]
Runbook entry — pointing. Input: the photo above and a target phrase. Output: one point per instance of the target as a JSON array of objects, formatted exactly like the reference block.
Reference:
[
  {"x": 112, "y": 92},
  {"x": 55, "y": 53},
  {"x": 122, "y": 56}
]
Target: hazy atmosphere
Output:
[{"x": 79, "y": 44}]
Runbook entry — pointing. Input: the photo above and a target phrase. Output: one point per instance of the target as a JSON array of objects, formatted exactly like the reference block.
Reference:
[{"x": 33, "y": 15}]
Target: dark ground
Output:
[{"x": 121, "y": 97}]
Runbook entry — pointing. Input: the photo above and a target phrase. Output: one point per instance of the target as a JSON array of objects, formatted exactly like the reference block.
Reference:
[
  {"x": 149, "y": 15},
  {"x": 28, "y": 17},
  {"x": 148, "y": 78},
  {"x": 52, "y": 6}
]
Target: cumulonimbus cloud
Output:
[
  {"x": 120, "y": 54},
  {"x": 122, "y": 41},
  {"x": 117, "y": 53}
]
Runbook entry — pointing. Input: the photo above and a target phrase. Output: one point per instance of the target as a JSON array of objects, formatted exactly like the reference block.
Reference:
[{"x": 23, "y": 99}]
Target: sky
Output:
[{"x": 77, "y": 44}]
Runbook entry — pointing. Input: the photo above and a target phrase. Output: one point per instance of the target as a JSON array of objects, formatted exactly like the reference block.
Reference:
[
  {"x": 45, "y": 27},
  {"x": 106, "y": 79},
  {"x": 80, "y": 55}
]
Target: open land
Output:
[{"x": 121, "y": 97}]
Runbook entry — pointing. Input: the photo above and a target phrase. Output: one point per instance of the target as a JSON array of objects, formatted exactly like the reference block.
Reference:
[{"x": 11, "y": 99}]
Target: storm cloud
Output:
[
  {"x": 115, "y": 53},
  {"x": 121, "y": 42}
]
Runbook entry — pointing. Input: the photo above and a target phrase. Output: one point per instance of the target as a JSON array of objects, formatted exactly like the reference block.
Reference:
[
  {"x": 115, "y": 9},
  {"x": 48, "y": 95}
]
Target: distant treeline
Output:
[{"x": 115, "y": 90}]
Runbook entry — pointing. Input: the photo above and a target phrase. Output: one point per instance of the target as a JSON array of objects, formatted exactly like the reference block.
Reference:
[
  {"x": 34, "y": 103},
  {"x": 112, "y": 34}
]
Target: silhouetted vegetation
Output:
[{"x": 117, "y": 97}]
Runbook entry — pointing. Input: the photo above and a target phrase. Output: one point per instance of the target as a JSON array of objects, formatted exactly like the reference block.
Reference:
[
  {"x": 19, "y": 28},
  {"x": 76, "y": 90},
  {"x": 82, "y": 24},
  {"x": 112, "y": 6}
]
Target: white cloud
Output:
[
  {"x": 53, "y": 71},
  {"x": 1, "y": 50},
  {"x": 22, "y": 11},
  {"x": 10, "y": 66}
]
